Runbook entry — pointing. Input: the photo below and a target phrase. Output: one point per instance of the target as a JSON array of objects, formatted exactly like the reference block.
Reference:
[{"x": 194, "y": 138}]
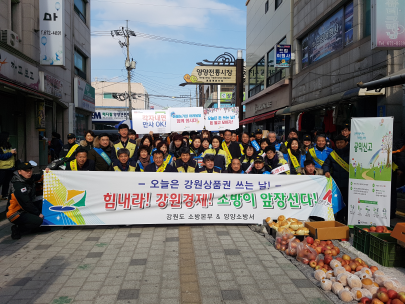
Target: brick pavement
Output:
[{"x": 185, "y": 264}]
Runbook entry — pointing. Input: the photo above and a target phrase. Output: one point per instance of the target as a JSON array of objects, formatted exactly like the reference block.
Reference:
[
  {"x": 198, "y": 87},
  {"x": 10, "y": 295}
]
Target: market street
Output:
[{"x": 170, "y": 264}]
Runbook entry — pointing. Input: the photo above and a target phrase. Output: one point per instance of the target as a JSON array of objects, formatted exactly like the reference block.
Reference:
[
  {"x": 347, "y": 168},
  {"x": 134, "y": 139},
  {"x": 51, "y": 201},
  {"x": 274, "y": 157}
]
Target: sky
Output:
[{"x": 161, "y": 65}]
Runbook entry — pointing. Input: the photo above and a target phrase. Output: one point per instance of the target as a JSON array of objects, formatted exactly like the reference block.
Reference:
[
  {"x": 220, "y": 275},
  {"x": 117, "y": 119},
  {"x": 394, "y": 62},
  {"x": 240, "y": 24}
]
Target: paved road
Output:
[{"x": 179, "y": 264}]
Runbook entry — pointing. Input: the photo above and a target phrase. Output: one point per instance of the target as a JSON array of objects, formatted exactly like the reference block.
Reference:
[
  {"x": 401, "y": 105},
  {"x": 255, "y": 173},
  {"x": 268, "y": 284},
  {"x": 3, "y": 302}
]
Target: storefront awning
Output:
[
  {"x": 328, "y": 100},
  {"x": 258, "y": 118},
  {"x": 11, "y": 86}
]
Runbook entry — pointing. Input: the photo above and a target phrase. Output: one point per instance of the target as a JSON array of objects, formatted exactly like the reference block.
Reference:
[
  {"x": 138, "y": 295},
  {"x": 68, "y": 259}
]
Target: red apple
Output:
[
  {"x": 353, "y": 266},
  {"x": 358, "y": 268},
  {"x": 334, "y": 253},
  {"x": 283, "y": 247},
  {"x": 318, "y": 250},
  {"x": 373, "y": 269},
  {"x": 347, "y": 268},
  {"x": 317, "y": 267},
  {"x": 329, "y": 242},
  {"x": 309, "y": 240},
  {"x": 337, "y": 250},
  {"x": 382, "y": 289},
  {"x": 376, "y": 301},
  {"x": 372, "y": 229},
  {"x": 389, "y": 301},
  {"x": 401, "y": 296},
  {"x": 392, "y": 294},
  {"x": 312, "y": 263},
  {"x": 396, "y": 301},
  {"x": 323, "y": 243},
  {"x": 379, "y": 229},
  {"x": 327, "y": 259},
  {"x": 383, "y": 296},
  {"x": 305, "y": 261},
  {"x": 365, "y": 300},
  {"x": 366, "y": 229}
]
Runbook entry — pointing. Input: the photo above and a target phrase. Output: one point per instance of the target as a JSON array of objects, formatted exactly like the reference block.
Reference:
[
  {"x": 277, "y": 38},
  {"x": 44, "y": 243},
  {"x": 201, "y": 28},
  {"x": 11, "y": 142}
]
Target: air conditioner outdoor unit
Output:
[{"x": 11, "y": 38}]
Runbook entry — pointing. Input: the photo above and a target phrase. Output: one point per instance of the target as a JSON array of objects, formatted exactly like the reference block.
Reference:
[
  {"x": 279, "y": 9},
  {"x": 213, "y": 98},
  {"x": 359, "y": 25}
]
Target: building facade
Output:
[
  {"x": 35, "y": 99},
  {"x": 269, "y": 23},
  {"x": 111, "y": 111},
  {"x": 332, "y": 44}
]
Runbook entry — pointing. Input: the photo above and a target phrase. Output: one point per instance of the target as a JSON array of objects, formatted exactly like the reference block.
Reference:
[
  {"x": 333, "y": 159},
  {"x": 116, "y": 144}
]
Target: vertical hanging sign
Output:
[
  {"x": 370, "y": 171},
  {"x": 52, "y": 32}
]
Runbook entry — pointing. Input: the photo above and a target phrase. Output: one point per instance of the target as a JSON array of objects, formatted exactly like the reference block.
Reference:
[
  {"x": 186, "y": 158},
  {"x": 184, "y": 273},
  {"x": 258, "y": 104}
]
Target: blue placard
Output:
[
  {"x": 283, "y": 56},
  {"x": 255, "y": 145}
]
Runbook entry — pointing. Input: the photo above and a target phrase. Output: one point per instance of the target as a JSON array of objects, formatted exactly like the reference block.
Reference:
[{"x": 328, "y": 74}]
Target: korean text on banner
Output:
[
  {"x": 107, "y": 198},
  {"x": 52, "y": 32},
  {"x": 370, "y": 171},
  {"x": 144, "y": 121},
  {"x": 186, "y": 119},
  {"x": 221, "y": 119}
]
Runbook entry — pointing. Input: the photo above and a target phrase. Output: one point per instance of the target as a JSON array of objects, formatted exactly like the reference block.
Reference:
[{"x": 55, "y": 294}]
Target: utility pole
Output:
[
  {"x": 190, "y": 98},
  {"x": 129, "y": 78},
  {"x": 196, "y": 96},
  {"x": 129, "y": 64}
]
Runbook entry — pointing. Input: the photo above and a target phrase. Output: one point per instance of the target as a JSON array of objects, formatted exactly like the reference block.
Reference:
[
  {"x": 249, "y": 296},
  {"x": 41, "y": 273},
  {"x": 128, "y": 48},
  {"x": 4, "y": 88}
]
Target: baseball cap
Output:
[
  {"x": 259, "y": 159},
  {"x": 71, "y": 135},
  {"x": 259, "y": 131},
  {"x": 306, "y": 138},
  {"x": 24, "y": 166}
]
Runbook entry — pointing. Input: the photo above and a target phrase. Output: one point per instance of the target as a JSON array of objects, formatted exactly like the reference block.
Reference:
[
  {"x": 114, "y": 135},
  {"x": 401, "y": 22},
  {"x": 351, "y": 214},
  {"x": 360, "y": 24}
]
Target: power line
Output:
[
  {"x": 165, "y": 24},
  {"x": 167, "y": 39},
  {"x": 149, "y": 4}
]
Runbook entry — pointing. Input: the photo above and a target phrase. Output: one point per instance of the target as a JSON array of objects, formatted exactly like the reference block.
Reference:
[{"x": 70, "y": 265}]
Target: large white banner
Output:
[
  {"x": 123, "y": 198},
  {"x": 221, "y": 119},
  {"x": 186, "y": 119},
  {"x": 370, "y": 171},
  {"x": 52, "y": 32},
  {"x": 157, "y": 121}
]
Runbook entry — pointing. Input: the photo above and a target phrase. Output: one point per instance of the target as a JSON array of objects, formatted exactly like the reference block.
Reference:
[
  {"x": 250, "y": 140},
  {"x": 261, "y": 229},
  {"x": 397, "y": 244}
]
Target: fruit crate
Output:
[
  {"x": 361, "y": 239},
  {"x": 385, "y": 250}
]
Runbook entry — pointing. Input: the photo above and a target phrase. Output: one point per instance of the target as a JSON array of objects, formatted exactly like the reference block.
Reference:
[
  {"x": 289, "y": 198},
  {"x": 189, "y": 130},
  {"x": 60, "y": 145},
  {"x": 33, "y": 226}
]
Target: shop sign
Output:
[
  {"x": 263, "y": 106},
  {"x": 387, "y": 24},
  {"x": 52, "y": 32},
  {"x": 18, "y": 70},
  {"x": 324, "y": 40},
  {"x": 40, "y": 113},
  {"x": 84, "y": 95},
  {"x": 51, "y": 85},
  {"x": 283, "y": 56},
  {"x": 109, "y": 116},
  {"x": 212, "y": 75}
]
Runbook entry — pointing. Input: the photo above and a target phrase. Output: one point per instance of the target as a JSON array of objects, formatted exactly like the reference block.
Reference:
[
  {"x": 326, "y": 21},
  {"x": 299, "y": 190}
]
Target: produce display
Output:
[
  {"x": 378, "y": 229},
  {"x": 291, "y": 225},
  {"x": 350, "y": 279}
]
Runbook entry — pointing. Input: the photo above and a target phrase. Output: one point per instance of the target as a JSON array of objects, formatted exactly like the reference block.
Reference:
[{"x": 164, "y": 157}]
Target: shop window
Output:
[
  {"x": 80, "y": 9},
  {"x": 330, "y": 36},
  {"x": 278, "y": 3},
  {"x": 80, "y": 64},
  {"x": 274, "y": 74},
  {"x": 367, "y": 18},
  {"x": 257, "y": 77},
  {"x": 266, "y": 6}
]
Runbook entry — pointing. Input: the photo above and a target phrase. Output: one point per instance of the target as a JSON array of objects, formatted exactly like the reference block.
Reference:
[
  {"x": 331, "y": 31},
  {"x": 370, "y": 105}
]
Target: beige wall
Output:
[
  {"x": 26, "y": 25},
  {"x": 277, "y": 99},
  {"x": 113, "y": 87},
  {"x": 265, "y": 30}
]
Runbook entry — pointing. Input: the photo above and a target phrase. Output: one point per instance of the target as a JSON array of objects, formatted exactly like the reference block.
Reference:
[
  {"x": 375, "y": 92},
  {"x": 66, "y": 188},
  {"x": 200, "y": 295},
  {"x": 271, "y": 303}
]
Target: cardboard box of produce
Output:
[
  {"x": 328, "y": 230},
  {"x": 399, "y": 232}
]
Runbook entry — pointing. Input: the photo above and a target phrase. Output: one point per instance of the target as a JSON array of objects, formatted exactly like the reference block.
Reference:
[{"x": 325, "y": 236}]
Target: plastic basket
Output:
[
  {"x": 361, "y": 238},
  {"x": 385, "y": 250}
]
